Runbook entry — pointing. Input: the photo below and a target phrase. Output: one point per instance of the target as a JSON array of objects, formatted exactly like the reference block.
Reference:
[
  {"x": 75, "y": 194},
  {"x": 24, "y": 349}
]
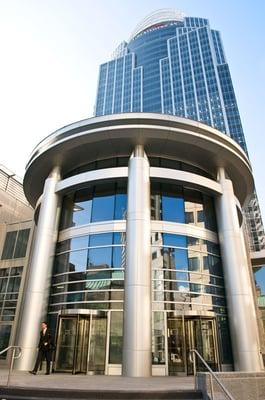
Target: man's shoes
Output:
[{"x": 33, "y": 372}]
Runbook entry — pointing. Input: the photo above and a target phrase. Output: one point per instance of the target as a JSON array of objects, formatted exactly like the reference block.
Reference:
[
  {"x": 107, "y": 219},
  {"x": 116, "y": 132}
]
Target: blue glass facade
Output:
[{"x": 177, "y": 67}]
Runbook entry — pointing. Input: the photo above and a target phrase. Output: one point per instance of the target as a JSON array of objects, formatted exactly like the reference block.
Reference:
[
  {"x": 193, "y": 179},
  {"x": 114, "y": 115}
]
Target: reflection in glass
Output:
[
  {"x": 84, "y": 274},
  {"x": 183, "y": 274},
  {"x": 97, "y": 351},
  {"x": 82, "y": 207},
  {"x": 179, "y": 204},
  {"x": 99, "y": 257},
  {"x": 158, "y": 338},
  {"x": 102, "y": 239},
  {"x": 77, "y": 260},
  {"x": 172, "y": 204},
  {"x": 66, "y": 344},
  {"x": 101, "y": 202},
  {"x": 116, "y": 338}
]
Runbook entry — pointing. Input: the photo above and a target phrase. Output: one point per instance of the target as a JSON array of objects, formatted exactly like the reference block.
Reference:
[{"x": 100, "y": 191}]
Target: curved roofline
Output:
[
  {"x": 157, "y": 17},
  {"x": 117, "y": 134}
]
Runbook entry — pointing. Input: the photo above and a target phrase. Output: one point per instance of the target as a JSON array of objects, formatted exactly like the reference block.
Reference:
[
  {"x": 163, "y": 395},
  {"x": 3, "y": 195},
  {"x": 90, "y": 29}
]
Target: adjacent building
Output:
[
  {"x": 139, "y": 252},
  {"x": 16, "y": 230}
]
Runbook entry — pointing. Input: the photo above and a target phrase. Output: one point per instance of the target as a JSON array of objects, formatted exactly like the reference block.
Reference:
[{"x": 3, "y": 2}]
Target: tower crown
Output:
[{"x": 157, "y": 18}]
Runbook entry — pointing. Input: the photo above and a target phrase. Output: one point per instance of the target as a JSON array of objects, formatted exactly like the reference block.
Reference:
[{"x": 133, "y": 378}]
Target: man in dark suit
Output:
[{"x": 46, "y": 346}]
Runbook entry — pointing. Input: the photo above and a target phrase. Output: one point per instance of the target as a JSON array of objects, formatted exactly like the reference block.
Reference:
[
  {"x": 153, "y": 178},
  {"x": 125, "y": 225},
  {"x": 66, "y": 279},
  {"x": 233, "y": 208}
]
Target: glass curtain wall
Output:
[
  {"x": 89, "y": 272},
  {"x": 186, "y": 271},
  {"x": 103, "y": 202},
  {"x": 180, "y": 204}
]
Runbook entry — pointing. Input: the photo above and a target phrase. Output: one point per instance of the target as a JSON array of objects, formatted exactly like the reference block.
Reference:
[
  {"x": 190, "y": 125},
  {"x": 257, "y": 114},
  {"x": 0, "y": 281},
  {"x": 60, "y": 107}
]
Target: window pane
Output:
[
  {"x": 21, "y": 244},
  {"x": 78, "y": 260},
  {"x": 181, "y": 259},
  {"x": 194, "y": 263},
  {"x": 259, "y": 274},
  {"x": 120, "y": 206},
  {"x": 119, "y": 238},
  {"x": 5, "y": 331},
  {"x": 172, "y": 209},
  {"x": 194, "y": 207},
  {"x": 100, "y": 258},
  {"x": 158, "y": 345},
  {"x": 210, "y": 220},
  {"x": 80, "y": 242},
  {"x": 108, "y": 163},
  {"x": 9, "y": 245},
  {"x": 3, "y": 283},
  {"x": 118, "y": 259},
  {"x": 172, "y": 203},
  {"x": 82, "y": 207},
  {"x": 67, "y": 212},
  {"x": 215, "y": 266},
  {"x": 13, "y": 284},
  {"x": 63, "y": 246},
  {"x": 174, "y": 240},
  {"x": 103, "y": 203},
  {"x": 61, "y": 263},
  {"x": 16, "y": 271},
  {"x": 102, "y": 239}
]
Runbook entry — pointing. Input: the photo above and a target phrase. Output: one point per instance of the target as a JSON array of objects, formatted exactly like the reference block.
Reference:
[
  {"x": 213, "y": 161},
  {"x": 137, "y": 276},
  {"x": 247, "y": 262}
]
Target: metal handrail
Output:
[
  {"x": 193, "y": 360},
  {"x": 13, "y": 357}
]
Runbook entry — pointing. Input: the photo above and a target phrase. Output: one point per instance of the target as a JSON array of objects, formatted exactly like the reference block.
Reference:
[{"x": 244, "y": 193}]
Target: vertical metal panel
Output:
[
  {"x": 35, "y": 302},
  {"x": 240, "y": 302},
  {"x": 137, "y": 343}
]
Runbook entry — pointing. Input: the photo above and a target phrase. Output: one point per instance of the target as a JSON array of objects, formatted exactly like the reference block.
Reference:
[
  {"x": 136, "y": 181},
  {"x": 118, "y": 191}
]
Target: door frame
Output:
[
  {"x": 77, "y": 314},
  {"x": 185, "y": 317}
]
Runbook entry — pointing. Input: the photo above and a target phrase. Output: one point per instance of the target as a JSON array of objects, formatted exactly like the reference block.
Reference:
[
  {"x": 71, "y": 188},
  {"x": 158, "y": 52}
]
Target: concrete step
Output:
[{"x": 24, "y": 393}]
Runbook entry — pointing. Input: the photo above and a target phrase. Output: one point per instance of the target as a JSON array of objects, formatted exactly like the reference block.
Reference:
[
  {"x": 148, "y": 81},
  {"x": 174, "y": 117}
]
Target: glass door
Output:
[
  {"x": 81, "y": 345},
  {"x": 201, "y": 335},
  {"x": 65, "y": 347},
  {"x": 97, "y": 345},
  {"x": 176, "y": 346},
  {"x": 209, "y": 343},
  {"x": 186, "y": 333}
]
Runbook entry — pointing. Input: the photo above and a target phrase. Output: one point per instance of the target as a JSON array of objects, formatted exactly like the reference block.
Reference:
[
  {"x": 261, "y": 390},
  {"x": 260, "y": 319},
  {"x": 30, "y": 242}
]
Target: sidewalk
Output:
[{"x": 95, "y": 382}]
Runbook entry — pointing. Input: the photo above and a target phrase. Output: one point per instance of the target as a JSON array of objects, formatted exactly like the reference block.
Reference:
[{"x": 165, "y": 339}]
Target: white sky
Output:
[{"x": 51, "y": 51}]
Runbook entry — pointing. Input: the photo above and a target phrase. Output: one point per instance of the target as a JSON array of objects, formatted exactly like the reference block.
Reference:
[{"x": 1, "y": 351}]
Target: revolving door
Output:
[
  {"x": 186, "y": 333},
  {"x": 81, "y": 342}
]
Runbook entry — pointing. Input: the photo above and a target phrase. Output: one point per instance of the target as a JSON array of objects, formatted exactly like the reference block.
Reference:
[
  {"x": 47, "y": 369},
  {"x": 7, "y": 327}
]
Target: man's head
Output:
[{"x": 43, "y": 325}]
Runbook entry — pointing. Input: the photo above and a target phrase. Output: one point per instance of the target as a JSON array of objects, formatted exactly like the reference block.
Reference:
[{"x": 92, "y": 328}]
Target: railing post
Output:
[
  {"x": 11, "y": 366},
  {"x": 12, "y": 359},
  {"x": 194, "y": 369},
  {"x": 212, "y": 374},
  {"x": 211, "y": 387}
]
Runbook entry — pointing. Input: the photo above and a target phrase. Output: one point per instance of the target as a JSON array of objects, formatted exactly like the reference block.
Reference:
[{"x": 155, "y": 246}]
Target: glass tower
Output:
[{"x": 176, "y": 65}]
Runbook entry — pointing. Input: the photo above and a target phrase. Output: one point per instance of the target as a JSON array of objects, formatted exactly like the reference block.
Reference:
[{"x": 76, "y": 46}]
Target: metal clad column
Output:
[
  {"x": 240, "y": 301},
  {"x": 137, "y": 340},
  {"x": 35, "y": 301}
]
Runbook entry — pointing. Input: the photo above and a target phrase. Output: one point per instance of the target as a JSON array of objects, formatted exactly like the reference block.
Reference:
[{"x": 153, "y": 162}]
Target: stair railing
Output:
[
  {"x": 193, "y": 354},
  {"x": 14, "y": 356}
]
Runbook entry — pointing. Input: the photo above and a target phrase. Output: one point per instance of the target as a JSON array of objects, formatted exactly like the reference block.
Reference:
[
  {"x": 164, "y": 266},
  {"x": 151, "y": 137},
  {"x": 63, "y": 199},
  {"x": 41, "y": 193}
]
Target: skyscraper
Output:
[
  {"x": 176, "y": 65},
  {"x": 139, "y": 252}
]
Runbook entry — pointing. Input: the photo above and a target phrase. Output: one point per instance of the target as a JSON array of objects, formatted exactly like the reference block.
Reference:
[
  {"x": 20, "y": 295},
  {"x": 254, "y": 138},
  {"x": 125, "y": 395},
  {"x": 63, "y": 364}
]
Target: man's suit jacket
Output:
[{"x": 46, "y": 342}]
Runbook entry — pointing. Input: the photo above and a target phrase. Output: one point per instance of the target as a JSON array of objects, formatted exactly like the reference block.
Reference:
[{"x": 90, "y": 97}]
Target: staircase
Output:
[{"x": 23, "y": 393}]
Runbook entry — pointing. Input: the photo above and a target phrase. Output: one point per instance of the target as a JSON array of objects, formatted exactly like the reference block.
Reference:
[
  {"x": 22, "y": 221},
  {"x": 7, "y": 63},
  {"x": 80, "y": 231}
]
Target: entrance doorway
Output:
[
  {"x": 186, "y": 333},
  {"x": 81, "y": 343}
]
